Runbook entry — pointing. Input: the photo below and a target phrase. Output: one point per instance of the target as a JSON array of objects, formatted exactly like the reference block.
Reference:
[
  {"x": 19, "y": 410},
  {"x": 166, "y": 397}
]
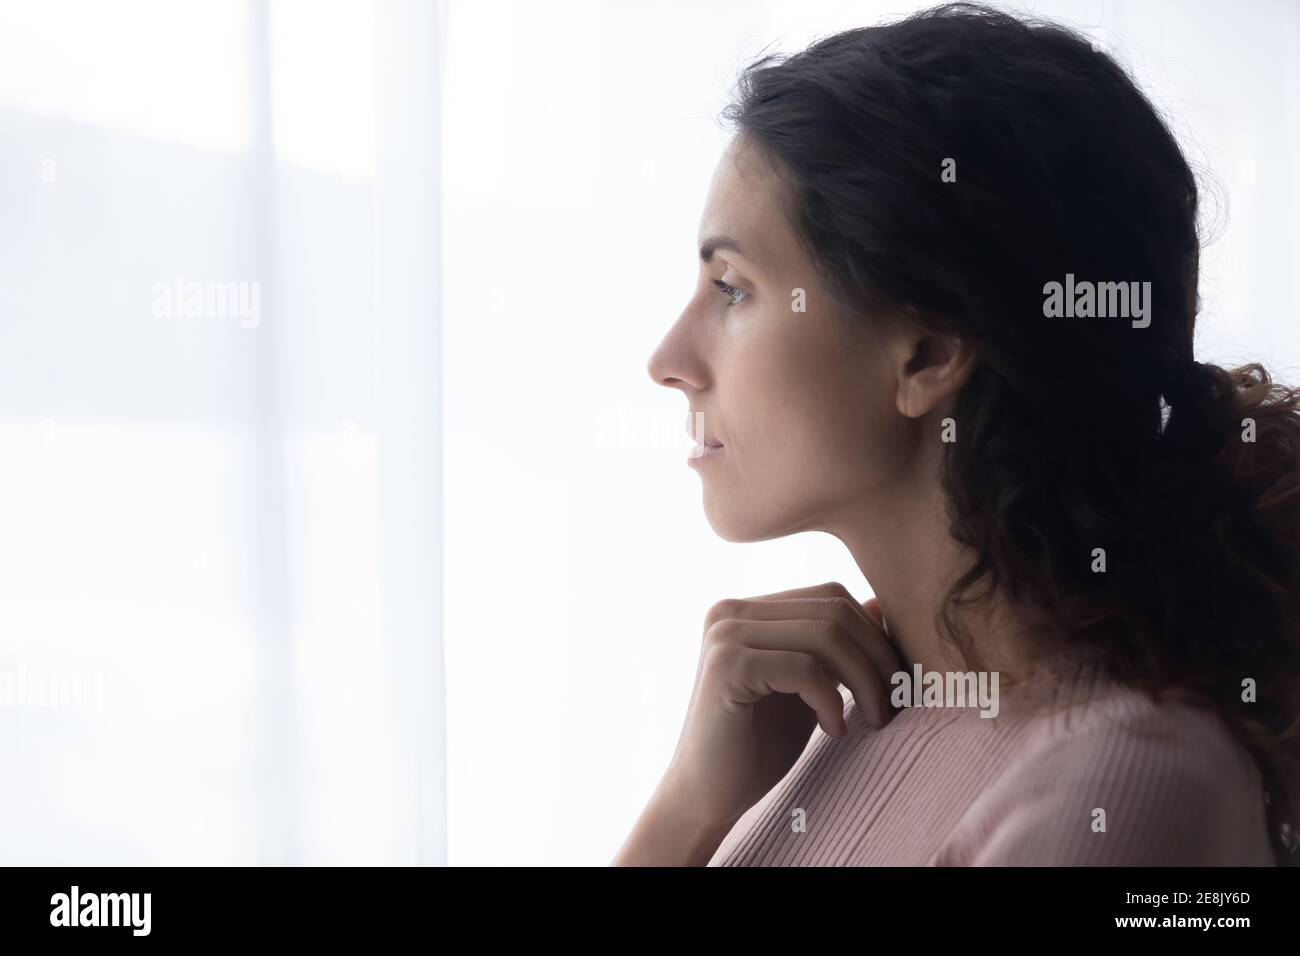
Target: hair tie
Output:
[{"x": 1180, "y": 382}]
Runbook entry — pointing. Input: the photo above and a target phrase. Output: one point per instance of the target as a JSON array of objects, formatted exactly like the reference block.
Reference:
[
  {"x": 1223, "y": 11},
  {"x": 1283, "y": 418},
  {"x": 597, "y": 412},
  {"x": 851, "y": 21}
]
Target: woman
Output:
[{"x": 947, "y": 292}]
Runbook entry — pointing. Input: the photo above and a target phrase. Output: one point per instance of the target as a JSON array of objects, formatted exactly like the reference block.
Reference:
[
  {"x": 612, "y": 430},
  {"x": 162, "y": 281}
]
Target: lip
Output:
[
  {"x": 705, "y": 447},
  {"x": 703, "y": 451}
]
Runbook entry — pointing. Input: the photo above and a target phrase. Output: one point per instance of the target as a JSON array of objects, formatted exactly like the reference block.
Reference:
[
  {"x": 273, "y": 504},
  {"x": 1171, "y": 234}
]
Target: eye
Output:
[{"x": 730, "y": 291}]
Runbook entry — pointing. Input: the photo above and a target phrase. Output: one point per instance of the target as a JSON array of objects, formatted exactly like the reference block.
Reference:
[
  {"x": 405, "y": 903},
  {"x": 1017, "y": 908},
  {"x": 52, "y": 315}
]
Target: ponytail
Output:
[{"x": 1232, "y": 497}]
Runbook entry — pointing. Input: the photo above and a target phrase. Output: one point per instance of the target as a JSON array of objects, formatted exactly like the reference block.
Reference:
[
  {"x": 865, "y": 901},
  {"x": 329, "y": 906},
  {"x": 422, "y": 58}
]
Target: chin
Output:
[
  {"x": 729, "y": 532},
  {"x": 726, "y": 523},
  {"x": 746, "y": 525}
]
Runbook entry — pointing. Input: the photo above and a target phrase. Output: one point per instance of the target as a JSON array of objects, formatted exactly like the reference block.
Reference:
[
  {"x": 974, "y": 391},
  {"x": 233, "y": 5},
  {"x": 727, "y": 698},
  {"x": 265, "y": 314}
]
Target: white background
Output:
[{"x": 413, "y": 570}]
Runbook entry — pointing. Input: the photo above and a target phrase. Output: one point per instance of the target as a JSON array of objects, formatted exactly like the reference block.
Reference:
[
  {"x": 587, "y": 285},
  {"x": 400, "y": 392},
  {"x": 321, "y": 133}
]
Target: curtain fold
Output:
[{"x": 220, "y": 417}]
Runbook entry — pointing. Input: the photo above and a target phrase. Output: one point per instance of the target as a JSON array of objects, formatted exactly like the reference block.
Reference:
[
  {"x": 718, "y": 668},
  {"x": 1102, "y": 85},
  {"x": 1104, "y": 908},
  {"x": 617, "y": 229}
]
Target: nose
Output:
[
  {"x": 674, "y": 364},
  {"x": 657, "y": 367}
]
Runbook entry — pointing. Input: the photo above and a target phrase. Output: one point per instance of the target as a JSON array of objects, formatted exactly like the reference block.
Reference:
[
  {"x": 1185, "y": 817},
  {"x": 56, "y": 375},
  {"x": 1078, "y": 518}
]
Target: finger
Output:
[
  {"x": 869, "y": 638},
  {"x": 886, "y": 654},
  {"x": 729, "y": 607},
  {"x": 829, "y": 589},
  {"x": 831, "y": 598},
  {"x": 871, "y": 606},
  {"x": 759, "y": 673},
  {"x": 828, "y": 640},
  {"x": 816, "y": 626}
]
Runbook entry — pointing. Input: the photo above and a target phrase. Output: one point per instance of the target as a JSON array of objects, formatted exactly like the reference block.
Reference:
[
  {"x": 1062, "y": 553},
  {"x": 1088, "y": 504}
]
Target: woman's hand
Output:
[{"x": 770, "y": 668}]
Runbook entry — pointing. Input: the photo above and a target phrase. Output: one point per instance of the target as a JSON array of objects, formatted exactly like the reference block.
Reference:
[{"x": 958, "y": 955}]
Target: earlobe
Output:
[
  {"x": 917, "y": 385},
  {"x": 935, "y": 368},
  {"x": 907, "y": 398},
  {"x": 905, "y": 358}
]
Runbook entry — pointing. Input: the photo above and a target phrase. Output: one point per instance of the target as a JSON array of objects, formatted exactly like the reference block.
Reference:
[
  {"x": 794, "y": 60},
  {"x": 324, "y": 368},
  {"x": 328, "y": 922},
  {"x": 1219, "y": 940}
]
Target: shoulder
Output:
[{"x": 1121, "y": 780}]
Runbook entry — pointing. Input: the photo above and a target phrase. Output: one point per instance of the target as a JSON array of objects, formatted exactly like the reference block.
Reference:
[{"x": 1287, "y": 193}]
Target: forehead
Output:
[{"x": 746, "y": 201}]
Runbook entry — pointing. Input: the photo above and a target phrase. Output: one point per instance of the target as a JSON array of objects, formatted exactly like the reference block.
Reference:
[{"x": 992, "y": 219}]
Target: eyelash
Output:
[{"x": 729, "y": 291}]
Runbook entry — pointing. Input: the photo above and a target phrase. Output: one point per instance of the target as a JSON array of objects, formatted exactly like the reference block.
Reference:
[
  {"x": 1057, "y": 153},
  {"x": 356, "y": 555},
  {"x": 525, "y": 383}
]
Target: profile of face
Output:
[{"x": 817, "y": 411}]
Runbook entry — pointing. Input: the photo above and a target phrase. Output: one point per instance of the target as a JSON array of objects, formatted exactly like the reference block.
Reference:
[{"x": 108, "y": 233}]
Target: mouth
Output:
[{"x": 704, "y": 449}]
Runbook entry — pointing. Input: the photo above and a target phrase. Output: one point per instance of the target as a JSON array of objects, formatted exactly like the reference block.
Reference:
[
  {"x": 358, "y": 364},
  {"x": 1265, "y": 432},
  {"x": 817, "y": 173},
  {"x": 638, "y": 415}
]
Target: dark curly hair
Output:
[{"x": 1073, "y": 434}]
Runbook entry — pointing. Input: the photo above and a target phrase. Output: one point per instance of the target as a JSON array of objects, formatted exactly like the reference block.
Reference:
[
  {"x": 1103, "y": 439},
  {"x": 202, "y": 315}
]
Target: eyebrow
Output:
[{"x": 714, "y": 243}]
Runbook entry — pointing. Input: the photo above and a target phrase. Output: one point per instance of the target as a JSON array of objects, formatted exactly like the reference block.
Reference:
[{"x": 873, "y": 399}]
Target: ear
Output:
[{"x": 931, "y": 367}]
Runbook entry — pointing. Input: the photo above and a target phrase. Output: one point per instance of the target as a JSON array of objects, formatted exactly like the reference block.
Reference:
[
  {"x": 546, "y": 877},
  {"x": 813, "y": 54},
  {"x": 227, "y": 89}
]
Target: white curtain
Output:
[
  {"x": 219, "y": 577},
  {"x": 323, "y": 331}
]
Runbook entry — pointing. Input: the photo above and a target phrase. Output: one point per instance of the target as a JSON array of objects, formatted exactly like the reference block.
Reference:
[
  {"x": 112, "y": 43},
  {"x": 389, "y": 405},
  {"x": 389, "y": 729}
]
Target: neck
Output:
[{"x": 902, "y": 546}]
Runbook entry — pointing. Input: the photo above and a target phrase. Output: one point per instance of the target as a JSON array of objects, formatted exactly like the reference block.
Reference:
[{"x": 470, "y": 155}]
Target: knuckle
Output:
[
  {"x": 744, "y": 663},
  {"x": 837, "y": 590},
  {"x": 723, "y": 631},
  {"x": 722, "y": 658},
  {"x": 829, "y": 632},
  {"x": 721, "y": 610},
  {"x": 806, "y": 665},
  {"x": 846, "y": 609}
]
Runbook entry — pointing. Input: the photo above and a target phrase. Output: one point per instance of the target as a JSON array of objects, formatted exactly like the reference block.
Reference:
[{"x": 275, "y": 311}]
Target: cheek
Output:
[
  {"x": 840, "y": 423},
  {"x": 806, "y": 400}
]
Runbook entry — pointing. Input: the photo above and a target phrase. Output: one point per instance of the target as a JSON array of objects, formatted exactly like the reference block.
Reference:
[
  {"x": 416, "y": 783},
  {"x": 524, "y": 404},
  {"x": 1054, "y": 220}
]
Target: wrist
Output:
[
  {"x": 670, "y": 832},
  {"x": 693, "y": 840},
  {"x": 684, "y": 807}
]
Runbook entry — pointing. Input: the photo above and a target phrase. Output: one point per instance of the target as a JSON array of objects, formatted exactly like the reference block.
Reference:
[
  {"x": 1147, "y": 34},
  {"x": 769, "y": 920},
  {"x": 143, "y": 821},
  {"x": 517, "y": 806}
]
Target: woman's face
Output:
[{"x": 805, "y": 404}]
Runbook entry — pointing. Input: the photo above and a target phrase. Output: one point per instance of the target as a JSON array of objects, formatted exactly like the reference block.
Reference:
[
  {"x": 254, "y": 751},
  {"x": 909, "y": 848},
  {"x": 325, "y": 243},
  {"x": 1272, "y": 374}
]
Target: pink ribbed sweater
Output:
[{"x": 947, "y": 787}]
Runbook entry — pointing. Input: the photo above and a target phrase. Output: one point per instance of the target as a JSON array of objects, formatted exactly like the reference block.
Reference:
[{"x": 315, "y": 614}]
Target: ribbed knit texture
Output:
[{"x": 946, "y": 787}]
